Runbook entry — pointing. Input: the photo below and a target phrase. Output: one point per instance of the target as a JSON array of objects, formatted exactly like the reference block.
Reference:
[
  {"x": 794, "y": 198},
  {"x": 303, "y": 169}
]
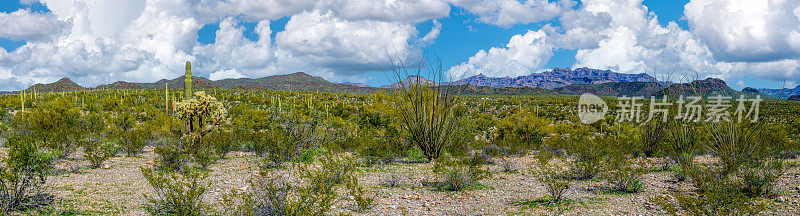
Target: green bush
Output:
[
  {"x": 176, "y": 193},
  {"x": 460, "y": 174},
  {"x": 96, "y": 151},
  {"x": 425, "y": 111},
  {"x": 552, "y": 176},
  {"x": 23, "y": 174}
]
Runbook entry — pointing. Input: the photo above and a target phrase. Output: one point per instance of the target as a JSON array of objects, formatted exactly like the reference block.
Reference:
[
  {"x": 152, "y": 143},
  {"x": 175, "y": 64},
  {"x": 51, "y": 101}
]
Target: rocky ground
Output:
[{"x": 118, "y": 188}]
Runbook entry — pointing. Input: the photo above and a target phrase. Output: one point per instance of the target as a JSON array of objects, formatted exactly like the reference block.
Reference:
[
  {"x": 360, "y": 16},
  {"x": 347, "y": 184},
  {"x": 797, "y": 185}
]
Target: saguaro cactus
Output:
[
  {"x": 187, "y": 82},
  {"x": 22, "y": 99},
  {"x": 166, "y": 97}
]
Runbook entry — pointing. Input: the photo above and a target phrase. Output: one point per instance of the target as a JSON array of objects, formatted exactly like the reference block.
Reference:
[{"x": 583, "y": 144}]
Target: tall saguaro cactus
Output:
[
  {"x": 166, "y": 98},
  {"x": 22, "y": 99},
  {"x": 187, "y": 82}
]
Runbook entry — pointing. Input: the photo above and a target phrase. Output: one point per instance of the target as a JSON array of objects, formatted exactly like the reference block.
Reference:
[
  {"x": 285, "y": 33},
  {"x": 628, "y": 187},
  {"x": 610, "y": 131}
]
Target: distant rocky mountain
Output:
[
  {"x": 705, "y": 88},
  {"x": 557, "y": 77},
  {"x": 794, "y": 98},
  {"x": 410, "y": 80},
  {"x": 354, "y": 84},
  {"x": 613, "y": 89},
  {"x": 784, "y": 93},
  {"x": 64, "y": 84}
]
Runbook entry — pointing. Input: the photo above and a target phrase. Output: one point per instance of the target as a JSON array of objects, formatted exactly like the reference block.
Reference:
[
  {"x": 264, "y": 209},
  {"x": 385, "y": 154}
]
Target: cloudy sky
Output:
[{"x": 747, "y": 43}]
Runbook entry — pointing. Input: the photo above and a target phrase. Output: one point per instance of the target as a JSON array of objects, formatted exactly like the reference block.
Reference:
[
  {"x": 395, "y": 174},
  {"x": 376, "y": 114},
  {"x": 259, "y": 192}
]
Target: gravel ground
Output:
[{"x": 118, "y": 188}]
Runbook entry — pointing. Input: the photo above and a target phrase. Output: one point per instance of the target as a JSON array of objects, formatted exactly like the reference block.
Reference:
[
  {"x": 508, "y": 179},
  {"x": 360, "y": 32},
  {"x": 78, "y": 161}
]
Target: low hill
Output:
[
  {"x": 62, "y": 85},
  {"x": 794, "y": 98}
]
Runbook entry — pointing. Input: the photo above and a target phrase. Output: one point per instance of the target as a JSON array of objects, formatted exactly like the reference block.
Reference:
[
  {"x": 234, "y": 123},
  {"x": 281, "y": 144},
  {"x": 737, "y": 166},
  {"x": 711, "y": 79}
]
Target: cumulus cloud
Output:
[
  {"x": 409, "y": 11},
  {"x": 31, "y": 26},
  {"x": 524, "y": 54},
  {"x": 339, "y": 44},
  {"x": 231, "y": 50},
  {"x": 225, "y": 74},
  {"x": 747, "y": 31}
]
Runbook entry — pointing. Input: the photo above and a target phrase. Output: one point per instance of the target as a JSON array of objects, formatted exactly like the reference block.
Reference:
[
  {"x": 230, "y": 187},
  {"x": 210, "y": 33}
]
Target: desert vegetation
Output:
[{"x": 418, "y": 149}]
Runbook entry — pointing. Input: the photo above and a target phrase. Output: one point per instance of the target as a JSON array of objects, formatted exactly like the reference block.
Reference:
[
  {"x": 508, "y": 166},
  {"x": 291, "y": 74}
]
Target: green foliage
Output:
[
  {"x": 176, "y": 193},
  {"x": 460, "y": 174},
  {"x": 552, "y": 176},
  {"x": 96, "y": 151},
  {"x": 426, "y": 112},
  {"x": 24, "y": 174}
]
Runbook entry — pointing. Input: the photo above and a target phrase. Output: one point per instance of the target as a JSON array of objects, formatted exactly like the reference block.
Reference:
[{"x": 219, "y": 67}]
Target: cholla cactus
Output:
[
  {"x": 202, "y": 114},
  {"x": 187, "y": 81}
]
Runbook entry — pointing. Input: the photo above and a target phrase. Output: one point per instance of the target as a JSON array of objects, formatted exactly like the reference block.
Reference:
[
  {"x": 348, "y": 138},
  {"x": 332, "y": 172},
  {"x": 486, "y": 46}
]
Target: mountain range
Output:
[
  {"x": 784, "y": 93},
  {"x": 557, "y": 81},
  {"x": 557, "y": 77}
]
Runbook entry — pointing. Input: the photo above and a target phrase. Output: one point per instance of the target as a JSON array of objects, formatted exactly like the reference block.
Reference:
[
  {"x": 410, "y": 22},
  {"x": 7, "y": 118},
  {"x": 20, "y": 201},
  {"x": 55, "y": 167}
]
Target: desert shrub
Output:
[
  {"x": 623, "y": 175},
  {"x": 97, "y": 150},
  {"x": 757, "y": 179},
  {"x": 270, "y": 195},
  {"x": 720, "y": 198},
  {"x": 681, "y": 141},
  {"x": 132, "y": 141},
  {"x": 364, "y": 200},
  {"x": 588, "y": 157},
  {"x": 176, "y": 193},
  {"x": 278, "y": 145},
  {"x": 652, "y": 136},
  {"x": 266, "y": 196},
  {"x": 425, "y": 110},
  {"x": 460, "y": 174},
  {"x": 378, "y": 146},
  {"x": 222, "y": 142},
  {"x": 518, "y": 133},
  {"x": 508, "y": 164},
  {"x": 551, "y": 175},
  {"x": 24, "y": 174},
  {"x": 54, "y": 124}
]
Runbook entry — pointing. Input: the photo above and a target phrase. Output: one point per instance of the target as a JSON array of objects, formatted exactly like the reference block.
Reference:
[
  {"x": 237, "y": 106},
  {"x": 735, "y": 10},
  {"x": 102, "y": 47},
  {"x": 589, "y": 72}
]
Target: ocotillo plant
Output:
[{"x": 187, "y": 82}]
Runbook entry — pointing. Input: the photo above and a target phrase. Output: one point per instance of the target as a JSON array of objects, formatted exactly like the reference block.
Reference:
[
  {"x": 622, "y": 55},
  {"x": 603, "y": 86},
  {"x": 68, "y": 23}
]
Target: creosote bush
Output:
[
  {"x": 176, "y": 193},
  {"x": 23, "y": 174},
  {"x": 460, "y": 174},
  {"x": 552, "y": 176}
]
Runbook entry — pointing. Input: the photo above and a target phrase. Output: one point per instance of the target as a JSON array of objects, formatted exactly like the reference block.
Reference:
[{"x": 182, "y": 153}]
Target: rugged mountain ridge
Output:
[
  {"x": 784, "y": 93},
  {"x": 557, "y": 77}
]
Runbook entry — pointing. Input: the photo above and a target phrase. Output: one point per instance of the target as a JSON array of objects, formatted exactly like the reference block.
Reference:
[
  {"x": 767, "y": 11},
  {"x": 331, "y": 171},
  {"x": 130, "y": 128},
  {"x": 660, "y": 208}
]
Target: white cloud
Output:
[
  {"x": 232, "y": 50},
  {"x": 30, "y": 26},
  {"x": 747, "y": 31},
  {"x": 225, "y": 74},
  {"x": 510, "y": 12},
  {"x": 408, "y": 11},
  {"x": 434, "y": 33},
  {"x": 524, "y": 54},
  {"x": 340, "y": 44}
]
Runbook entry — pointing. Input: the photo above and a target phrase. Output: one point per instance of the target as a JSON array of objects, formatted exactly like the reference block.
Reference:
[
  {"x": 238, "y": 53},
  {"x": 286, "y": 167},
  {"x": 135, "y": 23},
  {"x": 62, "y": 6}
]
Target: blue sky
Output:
[{"x": 142, "y": 42}]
